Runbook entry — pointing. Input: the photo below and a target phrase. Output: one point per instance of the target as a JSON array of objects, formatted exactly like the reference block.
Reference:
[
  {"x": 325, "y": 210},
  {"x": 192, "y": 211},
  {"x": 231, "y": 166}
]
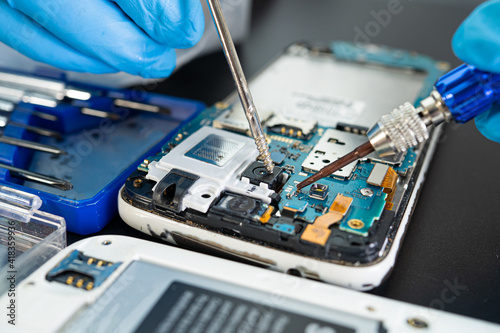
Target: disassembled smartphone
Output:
[
  {"x": 207, "y": 189},
  {"x": 121, "y": 284}
]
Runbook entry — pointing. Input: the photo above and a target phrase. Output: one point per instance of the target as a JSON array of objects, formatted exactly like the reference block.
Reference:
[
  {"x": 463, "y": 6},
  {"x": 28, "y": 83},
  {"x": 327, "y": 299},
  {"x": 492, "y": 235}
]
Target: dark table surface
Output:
[{"x": 453, "y": 238}]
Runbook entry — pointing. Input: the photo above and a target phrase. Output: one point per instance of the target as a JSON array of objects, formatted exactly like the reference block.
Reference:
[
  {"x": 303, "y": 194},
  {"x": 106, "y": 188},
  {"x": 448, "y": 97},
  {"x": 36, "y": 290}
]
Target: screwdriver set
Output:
[{"x": 74, "y": 145}]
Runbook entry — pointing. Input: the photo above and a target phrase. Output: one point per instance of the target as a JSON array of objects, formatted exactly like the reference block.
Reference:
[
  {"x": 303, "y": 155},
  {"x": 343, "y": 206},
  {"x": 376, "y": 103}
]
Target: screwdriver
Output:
[
  {"x": 460, "y": 95},
  {"x": 37, "y": 177},
  {"x": 241, "y": 84},
  {"x": 4, "y": 121},
  {"x": 17, "y": 88},
  {"x": 56, "y": 89},
  {"x": 31, "y": 145},
  {"x": 17, "y": 95},
  {"x": 6, "y": 106}
]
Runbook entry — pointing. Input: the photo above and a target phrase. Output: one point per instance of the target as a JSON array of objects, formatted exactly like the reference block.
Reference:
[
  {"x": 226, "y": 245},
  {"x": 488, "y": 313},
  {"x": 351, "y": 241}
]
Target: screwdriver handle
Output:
[
  {"x": 461, "y": 95},
  {"x": 468, "y": 91}
]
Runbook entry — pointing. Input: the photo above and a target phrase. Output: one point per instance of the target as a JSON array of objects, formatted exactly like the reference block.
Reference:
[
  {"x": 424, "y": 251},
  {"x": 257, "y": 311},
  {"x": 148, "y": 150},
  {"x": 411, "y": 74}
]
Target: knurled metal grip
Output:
[{"x": 398, "y": 131}]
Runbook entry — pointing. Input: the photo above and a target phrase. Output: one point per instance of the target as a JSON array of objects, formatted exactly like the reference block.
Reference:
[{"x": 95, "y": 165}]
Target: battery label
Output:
[
  {"x": 186, "y": 308},
  {"x": 326, "y": 110}
]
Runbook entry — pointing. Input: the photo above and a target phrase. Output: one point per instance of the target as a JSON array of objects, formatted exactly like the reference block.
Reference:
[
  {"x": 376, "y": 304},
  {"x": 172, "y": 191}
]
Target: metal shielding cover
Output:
[
  {"x": 219, "y": 158},
  {"x": 378, "y": 174},
  {"x": 333, "y": 145},
  {"x": 215, "y": 149}
]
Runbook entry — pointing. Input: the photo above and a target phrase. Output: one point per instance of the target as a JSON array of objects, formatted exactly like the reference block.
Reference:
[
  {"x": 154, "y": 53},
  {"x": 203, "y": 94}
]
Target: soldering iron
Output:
[{"x": 460, "y": 95}]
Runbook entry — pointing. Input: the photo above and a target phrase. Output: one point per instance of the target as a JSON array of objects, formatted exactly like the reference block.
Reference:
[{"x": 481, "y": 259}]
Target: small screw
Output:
[
  {"x": 367, "y": 192},
  {"x": 355, "y": 224},
  {"x": 138, "y": 183},
  {"x": 417, "y": 323},
  {"x": 106, "y": 242}
]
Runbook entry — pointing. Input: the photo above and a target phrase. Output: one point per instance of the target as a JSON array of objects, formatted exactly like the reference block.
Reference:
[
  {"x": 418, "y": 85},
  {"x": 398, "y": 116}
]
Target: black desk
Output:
[{"x": 454, "y": 234}]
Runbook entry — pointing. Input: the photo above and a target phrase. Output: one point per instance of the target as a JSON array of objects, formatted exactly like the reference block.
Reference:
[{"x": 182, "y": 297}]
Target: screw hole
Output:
[
  {"x": 326, "y": 161},
  {"x": 137, "y": 182},
  {"x": 294, "y": 272},
  {"x": 206, "y": 196},
  {"x": 106, "y": 242}
]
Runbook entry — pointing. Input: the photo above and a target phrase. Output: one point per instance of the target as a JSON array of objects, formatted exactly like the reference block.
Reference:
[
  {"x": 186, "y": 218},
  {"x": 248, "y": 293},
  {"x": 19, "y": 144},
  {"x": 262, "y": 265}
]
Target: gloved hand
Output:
[
  {"x": 102, "y": 36},
  {"x": 477, "y": 42}
]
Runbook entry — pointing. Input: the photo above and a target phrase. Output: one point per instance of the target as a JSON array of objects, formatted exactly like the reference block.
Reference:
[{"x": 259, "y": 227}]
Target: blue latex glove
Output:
[
  {"x": 477, "y": 42},
  {"x": 102, "y": 36}
]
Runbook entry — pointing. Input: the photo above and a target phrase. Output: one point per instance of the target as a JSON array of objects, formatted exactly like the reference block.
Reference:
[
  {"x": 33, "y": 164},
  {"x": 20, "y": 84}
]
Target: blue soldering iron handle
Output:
[{"x": 468, "y": 91}]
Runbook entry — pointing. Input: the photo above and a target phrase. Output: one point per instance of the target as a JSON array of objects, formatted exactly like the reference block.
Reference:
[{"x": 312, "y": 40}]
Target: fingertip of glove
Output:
[
  {"x": 489, "y": 125},
  {"x": 477, "y": 39},
  {"x": 159, "y": 67},
  {"x": 460, "y": 45}
]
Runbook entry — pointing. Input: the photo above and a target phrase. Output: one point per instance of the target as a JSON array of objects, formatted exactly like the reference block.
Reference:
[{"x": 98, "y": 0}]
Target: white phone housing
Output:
[
  {"x": 300, "y": 77},
  {"x": 355, "y": 277}
]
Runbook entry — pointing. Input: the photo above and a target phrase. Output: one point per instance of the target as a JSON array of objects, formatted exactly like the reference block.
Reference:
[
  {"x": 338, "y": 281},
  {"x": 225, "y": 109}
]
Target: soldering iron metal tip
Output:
[{"x": 356, "y": 154}]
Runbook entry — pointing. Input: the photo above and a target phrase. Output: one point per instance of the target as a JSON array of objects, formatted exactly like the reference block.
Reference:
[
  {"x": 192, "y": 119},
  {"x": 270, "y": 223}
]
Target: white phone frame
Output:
[{"x": 355, "y": 277}]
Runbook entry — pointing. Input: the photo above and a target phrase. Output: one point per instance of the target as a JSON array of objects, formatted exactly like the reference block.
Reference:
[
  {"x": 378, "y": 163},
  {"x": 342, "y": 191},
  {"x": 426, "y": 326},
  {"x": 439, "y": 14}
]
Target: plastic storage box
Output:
[
  {"x": 104, "y": 134},
  {"x": 28, "y": 236}
]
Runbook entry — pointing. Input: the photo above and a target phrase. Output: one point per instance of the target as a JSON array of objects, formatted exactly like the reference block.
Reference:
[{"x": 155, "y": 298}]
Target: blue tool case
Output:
[{"x": 104, "y": 134}]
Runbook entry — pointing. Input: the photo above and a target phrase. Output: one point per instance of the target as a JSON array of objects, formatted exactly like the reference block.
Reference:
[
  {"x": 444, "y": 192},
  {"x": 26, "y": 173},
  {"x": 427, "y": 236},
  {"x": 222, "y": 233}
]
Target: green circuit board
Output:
[
  {"x": 347, "y": 216},
  {"x": 289, "y": 153}
]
